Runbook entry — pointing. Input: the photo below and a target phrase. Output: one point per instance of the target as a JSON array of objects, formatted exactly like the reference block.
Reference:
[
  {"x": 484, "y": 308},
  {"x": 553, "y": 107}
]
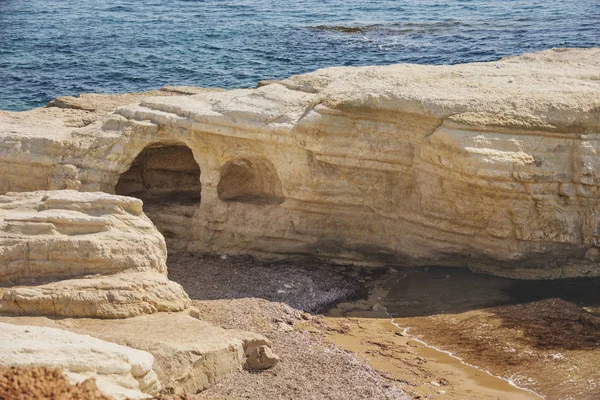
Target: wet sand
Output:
[
  {"x": 424, "y": 372},
  {"x": 542, "y": 335},
  {"x": 367, "y": 329}
]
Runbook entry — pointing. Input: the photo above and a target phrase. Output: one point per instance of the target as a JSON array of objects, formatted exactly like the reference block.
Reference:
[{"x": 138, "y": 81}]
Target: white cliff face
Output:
[
  {"x": 491, "y": 166},
  {"x": 69, "y": 253},
  {"x": 120, "y": 372}
]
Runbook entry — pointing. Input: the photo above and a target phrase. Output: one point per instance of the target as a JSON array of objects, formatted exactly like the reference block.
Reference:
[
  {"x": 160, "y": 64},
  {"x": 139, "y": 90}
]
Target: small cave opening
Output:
[
  {"x": 250, "y": 180},
  {"x": 166, "y": 178}
]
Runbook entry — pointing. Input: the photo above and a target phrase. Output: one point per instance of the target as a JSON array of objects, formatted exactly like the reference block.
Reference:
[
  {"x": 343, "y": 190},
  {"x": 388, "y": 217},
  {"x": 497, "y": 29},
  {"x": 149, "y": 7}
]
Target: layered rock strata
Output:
[
  {"x": 493, "y": 166},
  {"x": 68, "y": 253}
]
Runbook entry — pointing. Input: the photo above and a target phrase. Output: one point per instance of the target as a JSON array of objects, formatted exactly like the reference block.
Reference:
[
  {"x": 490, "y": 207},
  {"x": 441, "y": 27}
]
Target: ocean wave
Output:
[{"x": 397, "y": 28}]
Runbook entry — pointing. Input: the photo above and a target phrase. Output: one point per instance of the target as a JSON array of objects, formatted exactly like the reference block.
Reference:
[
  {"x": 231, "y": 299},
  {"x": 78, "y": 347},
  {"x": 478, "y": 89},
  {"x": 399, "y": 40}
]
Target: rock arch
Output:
[
  {"x": 166, "y": 177},
  {"x": 251, "y": 180}
]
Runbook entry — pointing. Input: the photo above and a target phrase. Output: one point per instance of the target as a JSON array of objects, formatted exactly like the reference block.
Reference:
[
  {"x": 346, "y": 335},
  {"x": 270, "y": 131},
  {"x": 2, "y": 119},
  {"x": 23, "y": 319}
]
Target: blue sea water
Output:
[{"x": 64, "y": 47}]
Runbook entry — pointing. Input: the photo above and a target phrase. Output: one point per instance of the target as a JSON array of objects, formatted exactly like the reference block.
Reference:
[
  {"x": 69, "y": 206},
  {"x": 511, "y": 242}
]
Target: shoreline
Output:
[
  {"x": 426, "y": 370},
  {"x": 405, "y": 332}
]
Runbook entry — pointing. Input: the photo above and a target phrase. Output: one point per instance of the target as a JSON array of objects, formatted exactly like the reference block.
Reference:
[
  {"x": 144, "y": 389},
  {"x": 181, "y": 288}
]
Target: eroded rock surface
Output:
[
  {"x": 190, "y": 355},
  {"x": 493, "y": 166},
  {"x": 84, "y": 254},
  {"x": 120, "y": 372}
]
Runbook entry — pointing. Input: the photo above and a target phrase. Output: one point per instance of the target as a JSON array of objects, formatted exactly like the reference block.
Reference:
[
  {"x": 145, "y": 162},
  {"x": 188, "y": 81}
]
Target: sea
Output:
[{"x": 50, "y": 48}]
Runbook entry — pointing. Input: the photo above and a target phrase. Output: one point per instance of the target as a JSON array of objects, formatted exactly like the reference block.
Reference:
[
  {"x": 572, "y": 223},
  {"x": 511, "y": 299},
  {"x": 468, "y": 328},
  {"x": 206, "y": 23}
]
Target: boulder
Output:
[
  {"x": 67, "y": 253},
  {"x": 261, "y": 357},
  {"x": 492, "y": 166},
  {"x": 120, "y": 372}
]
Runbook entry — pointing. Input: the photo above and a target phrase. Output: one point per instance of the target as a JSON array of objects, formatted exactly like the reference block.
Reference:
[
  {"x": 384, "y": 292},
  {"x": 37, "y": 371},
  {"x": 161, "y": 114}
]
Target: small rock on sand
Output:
[{"x": 261, "y": 357}]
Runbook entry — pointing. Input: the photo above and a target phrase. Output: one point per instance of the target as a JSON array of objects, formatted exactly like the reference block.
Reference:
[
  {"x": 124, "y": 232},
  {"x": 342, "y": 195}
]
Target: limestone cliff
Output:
[{"x": 492, "y": 166}]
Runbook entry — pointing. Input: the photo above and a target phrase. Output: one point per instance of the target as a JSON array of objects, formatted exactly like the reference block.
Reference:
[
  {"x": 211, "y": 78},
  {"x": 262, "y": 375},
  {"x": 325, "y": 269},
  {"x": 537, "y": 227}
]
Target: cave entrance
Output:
[
  {"x": 250, "y": 180},
  {"x": 166, "y": 178}
]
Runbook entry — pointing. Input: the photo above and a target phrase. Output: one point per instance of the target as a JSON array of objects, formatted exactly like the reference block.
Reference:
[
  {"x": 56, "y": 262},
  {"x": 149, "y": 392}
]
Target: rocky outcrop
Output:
[
  {"x": 90, "y": 254},
  {"x": 68, "y": 253},
  {"x": 492, "y": 166},
  {"x": 120, "y": 372},
  {"x": 189, "y": 355}
]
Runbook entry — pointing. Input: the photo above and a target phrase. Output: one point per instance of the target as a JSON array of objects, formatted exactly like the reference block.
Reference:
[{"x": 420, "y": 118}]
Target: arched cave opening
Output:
[
  {"x": 166, "y": 178},
  {"x": 250, "y": 180}
]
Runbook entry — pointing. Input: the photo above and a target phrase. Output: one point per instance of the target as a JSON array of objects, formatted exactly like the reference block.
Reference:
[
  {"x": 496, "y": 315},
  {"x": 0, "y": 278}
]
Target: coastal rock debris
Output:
[{"x": 43, "y": 383}]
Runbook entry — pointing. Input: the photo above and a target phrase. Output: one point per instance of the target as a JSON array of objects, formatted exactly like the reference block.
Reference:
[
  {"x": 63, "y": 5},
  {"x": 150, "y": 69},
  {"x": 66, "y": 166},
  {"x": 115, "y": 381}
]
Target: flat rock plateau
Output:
[{"x": 180, "y": 242}]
